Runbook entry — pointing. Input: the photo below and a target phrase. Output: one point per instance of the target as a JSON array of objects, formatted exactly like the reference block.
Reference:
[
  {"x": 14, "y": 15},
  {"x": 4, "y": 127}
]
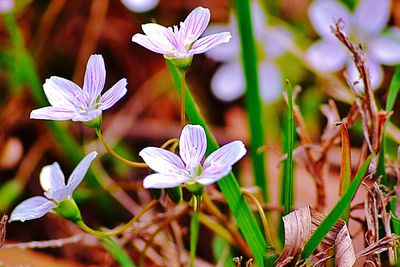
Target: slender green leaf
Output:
[
  {"x": 336, "y": 212},
  {"x": 345, "y": 167},
  {"x": 253, "y": 100},
  {"x": 116, "y": 251},
  {"x": 228, "y": 185},
  {"x": 393, "y": 90},
  {"x": 194, "y": 236},
  {"x": 289, "y": 133}
]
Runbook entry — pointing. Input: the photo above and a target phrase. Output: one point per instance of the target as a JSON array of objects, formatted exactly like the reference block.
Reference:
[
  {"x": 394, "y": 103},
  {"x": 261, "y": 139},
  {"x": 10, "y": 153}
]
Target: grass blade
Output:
[
  {"x": 253, "y": 100},
  {"x": 345, "y": 167},
  {"x": 393, "y": 90},
  {"x": 336, "y": 212},
  {"x": 116, "y": 251},
  {"x": 228, "y": 185},
  {"x": 289, "y": 133}
]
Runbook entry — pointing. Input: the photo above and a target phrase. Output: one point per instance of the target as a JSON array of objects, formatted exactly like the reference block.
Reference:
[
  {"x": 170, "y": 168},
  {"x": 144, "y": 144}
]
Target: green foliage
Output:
[{"x": 253, "y": 100}]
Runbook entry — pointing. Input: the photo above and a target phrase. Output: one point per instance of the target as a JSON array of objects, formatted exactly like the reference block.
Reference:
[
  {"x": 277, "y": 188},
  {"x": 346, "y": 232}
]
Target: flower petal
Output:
[
  {"x": 376, "y": 74},
  {"x": 32, "y": 208},
  {"x": 220, "y": 162},
  {"x": 162, "y": 161},
  {"x": 140, "y": 5},
  {"x": 114, "y": 94},
  {"x": 59, "y": 194},
  {"x": 276, "y": 41},
  {"x": 372, "y": 15},
  {"x": 385, "y": 49},
  {"x": 79, "y": 172},
  {"x": 53, "y": 113},
  {"x": 95, "y": 77},
  {"x": 195, "y": 24},
  {"x": 85, "y": 116},
  {"x": 160, "y": 36},
  {"x": 148, "y": 43},
  {"x": 324, "y": 13},
  {"x": 51, "y": 177},
  {"x": 61, "y": 92},
  {"x": 158, "y": 180},
  {"x": 192, "y": 145},
  {"x": 206, "y": 43},
  {"x": 327, "y": 56},
  {"x": 227, "y": 51},
  {"x": 270, "y": 82},
  {"x": 227, "y": 84}
]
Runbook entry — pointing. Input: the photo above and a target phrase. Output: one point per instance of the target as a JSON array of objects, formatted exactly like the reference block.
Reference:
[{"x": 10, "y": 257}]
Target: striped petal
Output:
[
  {"x": 53, "y": 113},
  {"x": 220, "y": 162},
  {"x": 206, "y": 43},
  {"x": 114, "y": 94},
  {"x": 158, "y": 180},
  {"x": 95, "y": 77},
  {"x": 162, "y": 161},
  {"x": 195, "y": 24},
  {"x": 79, "y": 172},
  {"x": 192, "y": 145}
]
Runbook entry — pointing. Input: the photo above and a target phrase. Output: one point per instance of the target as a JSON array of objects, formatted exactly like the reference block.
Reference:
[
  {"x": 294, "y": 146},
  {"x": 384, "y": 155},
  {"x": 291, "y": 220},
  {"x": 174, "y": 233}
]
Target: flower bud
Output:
[
  {"x": 69, "y": 210},
  {"x": 181, "y": 63},
  {"x": 95, "y": 123}
]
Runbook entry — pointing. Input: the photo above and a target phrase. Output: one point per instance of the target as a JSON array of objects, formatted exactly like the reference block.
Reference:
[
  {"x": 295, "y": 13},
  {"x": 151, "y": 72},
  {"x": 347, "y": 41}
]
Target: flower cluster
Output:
[
  {"x": 365, "y": 26},
  {"x": 70, "y": 102}
]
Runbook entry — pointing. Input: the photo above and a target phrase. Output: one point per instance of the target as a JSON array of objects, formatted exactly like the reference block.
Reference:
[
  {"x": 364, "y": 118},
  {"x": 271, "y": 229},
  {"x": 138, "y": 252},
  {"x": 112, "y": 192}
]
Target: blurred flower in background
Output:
[
  {"x": 140, "y": 6},
  {"x": 228, "y": 82},
  {"x": 6, "y": 5},
  {"x": 366, "y": 26}
]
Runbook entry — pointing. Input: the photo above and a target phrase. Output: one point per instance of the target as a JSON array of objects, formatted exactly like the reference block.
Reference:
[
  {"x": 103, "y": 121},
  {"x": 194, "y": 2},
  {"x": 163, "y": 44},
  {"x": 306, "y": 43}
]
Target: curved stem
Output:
[
  {"x": 119, "y": 230},
  {"x": 183, "y": 116},
  {"x": 115, "y": 155},
  {"x": 264, "y": 220},
  {"x": 173, "y": 142}
]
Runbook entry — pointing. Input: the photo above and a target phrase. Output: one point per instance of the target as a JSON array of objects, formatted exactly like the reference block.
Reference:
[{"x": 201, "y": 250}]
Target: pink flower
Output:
[
  {"x": 172, "y": 170},
  {"x": 70, "y": 102},
  {"x": 183, "y": 41}
]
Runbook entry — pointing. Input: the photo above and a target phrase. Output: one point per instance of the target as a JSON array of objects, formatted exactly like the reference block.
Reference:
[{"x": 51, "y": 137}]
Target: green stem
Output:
[
  {"x": 183, "y": 115},
  {"x": 115, "y": 155},
  {"x": 117, "y": 251},
  {"x": 253, "y": 99},
  {"x": 194, "y": 236},
  {"x": 119, "y": 230}
]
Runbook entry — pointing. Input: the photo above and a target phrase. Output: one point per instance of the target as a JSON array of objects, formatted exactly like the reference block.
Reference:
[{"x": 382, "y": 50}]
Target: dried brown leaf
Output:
[
  {"x": 300, "y": 225},
  {"x": 3, "y": 223}
]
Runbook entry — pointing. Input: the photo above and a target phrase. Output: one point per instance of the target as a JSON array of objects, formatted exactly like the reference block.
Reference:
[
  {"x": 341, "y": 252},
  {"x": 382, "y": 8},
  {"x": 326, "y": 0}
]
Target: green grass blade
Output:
[
  {"x": 393, "y": 90},
  {"x": 228, "y": 185},
  {"x": 194, "y": 236},
  {"x": 289, "y": 133},
  {"x": 253, "y": 100},
  {"x": 116, "y": 251},
  {"x": 345, "y": 167},
  {"x": 336, "y": 212}
]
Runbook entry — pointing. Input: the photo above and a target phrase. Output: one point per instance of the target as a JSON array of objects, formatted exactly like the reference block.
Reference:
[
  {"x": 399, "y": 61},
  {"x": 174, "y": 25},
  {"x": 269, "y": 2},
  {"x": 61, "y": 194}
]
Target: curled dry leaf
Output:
[
  {"x": 3, "y": 223},
  {"x": 300, "y": 225}
]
